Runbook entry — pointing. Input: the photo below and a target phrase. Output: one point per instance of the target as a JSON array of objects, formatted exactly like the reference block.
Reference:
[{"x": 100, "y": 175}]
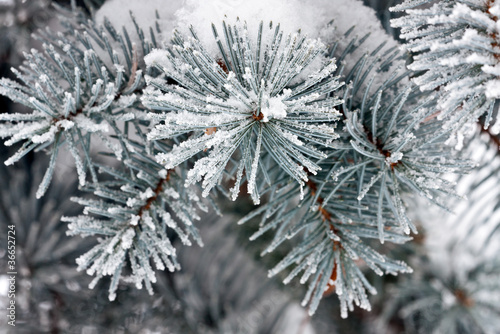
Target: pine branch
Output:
[
  {"x": 392, "y": 149},
  {"x": 88, "y": 91},
  {"x": 136, "y": 216},
  {"x": 78, "y": 89},
  {"x": 260, "y": 111},
  {"x": 456, "y": 47},
  {"x": 454, "y": 288},
  {"x": 262, "y": 107}
]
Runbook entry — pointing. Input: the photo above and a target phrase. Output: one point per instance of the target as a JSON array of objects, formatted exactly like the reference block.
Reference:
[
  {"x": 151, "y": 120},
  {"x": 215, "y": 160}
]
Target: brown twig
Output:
[
  {"x": 326, "y": 217},
  {"x": 156, "y": 191},
  {"x": 463, "y": 298},
  {"x": 493, "y": 35}
]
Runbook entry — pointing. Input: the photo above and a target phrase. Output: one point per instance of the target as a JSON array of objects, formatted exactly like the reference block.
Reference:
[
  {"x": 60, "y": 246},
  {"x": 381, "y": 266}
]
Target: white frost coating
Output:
[
  {"x": 446, "y": 57},
  {"x": 131, "y": 202},
  {"x": 45, "y": 137},
  {"x": 128, "y": 188},
  {"x": 494, "y": 70},
  {"x": 87, "y": 124},
  {"x": 495, "y": 129},
  {"x": 495, "y": 9},
  {"x": 65, "y": 124},
  {"x": 148, "y": 221},
  {"x": 119, "y": 68},
  {"x": 26, "y": 131},
  {"x": 170, "y": 192},
  {"x": 163, "y": 173},
  {"x": 292, "y": 138},
  {"x": 462, "y": 10},
  {"x": 477, "y": 59}
]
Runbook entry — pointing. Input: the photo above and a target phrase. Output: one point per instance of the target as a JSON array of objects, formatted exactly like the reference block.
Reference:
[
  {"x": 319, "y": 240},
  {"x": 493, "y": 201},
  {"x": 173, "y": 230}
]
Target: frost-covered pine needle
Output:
[
  {"x": 78, "y": 88},
  {"x": 135, "y": 223},
  {"x": 456, "y": 47},
  {"x": 251, "y": 98}
]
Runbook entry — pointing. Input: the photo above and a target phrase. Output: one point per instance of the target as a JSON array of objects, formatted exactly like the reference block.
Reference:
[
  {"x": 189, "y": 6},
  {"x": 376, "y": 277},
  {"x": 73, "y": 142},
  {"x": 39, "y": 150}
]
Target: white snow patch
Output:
[{"x": 274, "y": 108}]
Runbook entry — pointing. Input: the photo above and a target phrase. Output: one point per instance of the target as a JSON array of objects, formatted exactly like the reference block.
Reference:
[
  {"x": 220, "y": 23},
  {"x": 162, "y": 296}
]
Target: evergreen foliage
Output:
[
  {"x": 78, "y": 89},
  {"x": 333, "y": 143},
  {"x": 456, "y": 52},
  {"x": 461, "y": 302},
  {"x": 244, "y": 101},
  {"x": 455, "y": 286},
  {"x": 136, "y": 219}
]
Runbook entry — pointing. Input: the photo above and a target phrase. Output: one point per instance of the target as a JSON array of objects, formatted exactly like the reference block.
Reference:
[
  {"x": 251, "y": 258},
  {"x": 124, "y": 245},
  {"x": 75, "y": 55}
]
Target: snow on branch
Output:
[
  {"x": 456, "y": 46},
  {"x": 80, "y": 87},
  {"x": 247, "y": 100},
  {"x": 394, "y": 146},
  {"x": 135, "y": 216}
]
